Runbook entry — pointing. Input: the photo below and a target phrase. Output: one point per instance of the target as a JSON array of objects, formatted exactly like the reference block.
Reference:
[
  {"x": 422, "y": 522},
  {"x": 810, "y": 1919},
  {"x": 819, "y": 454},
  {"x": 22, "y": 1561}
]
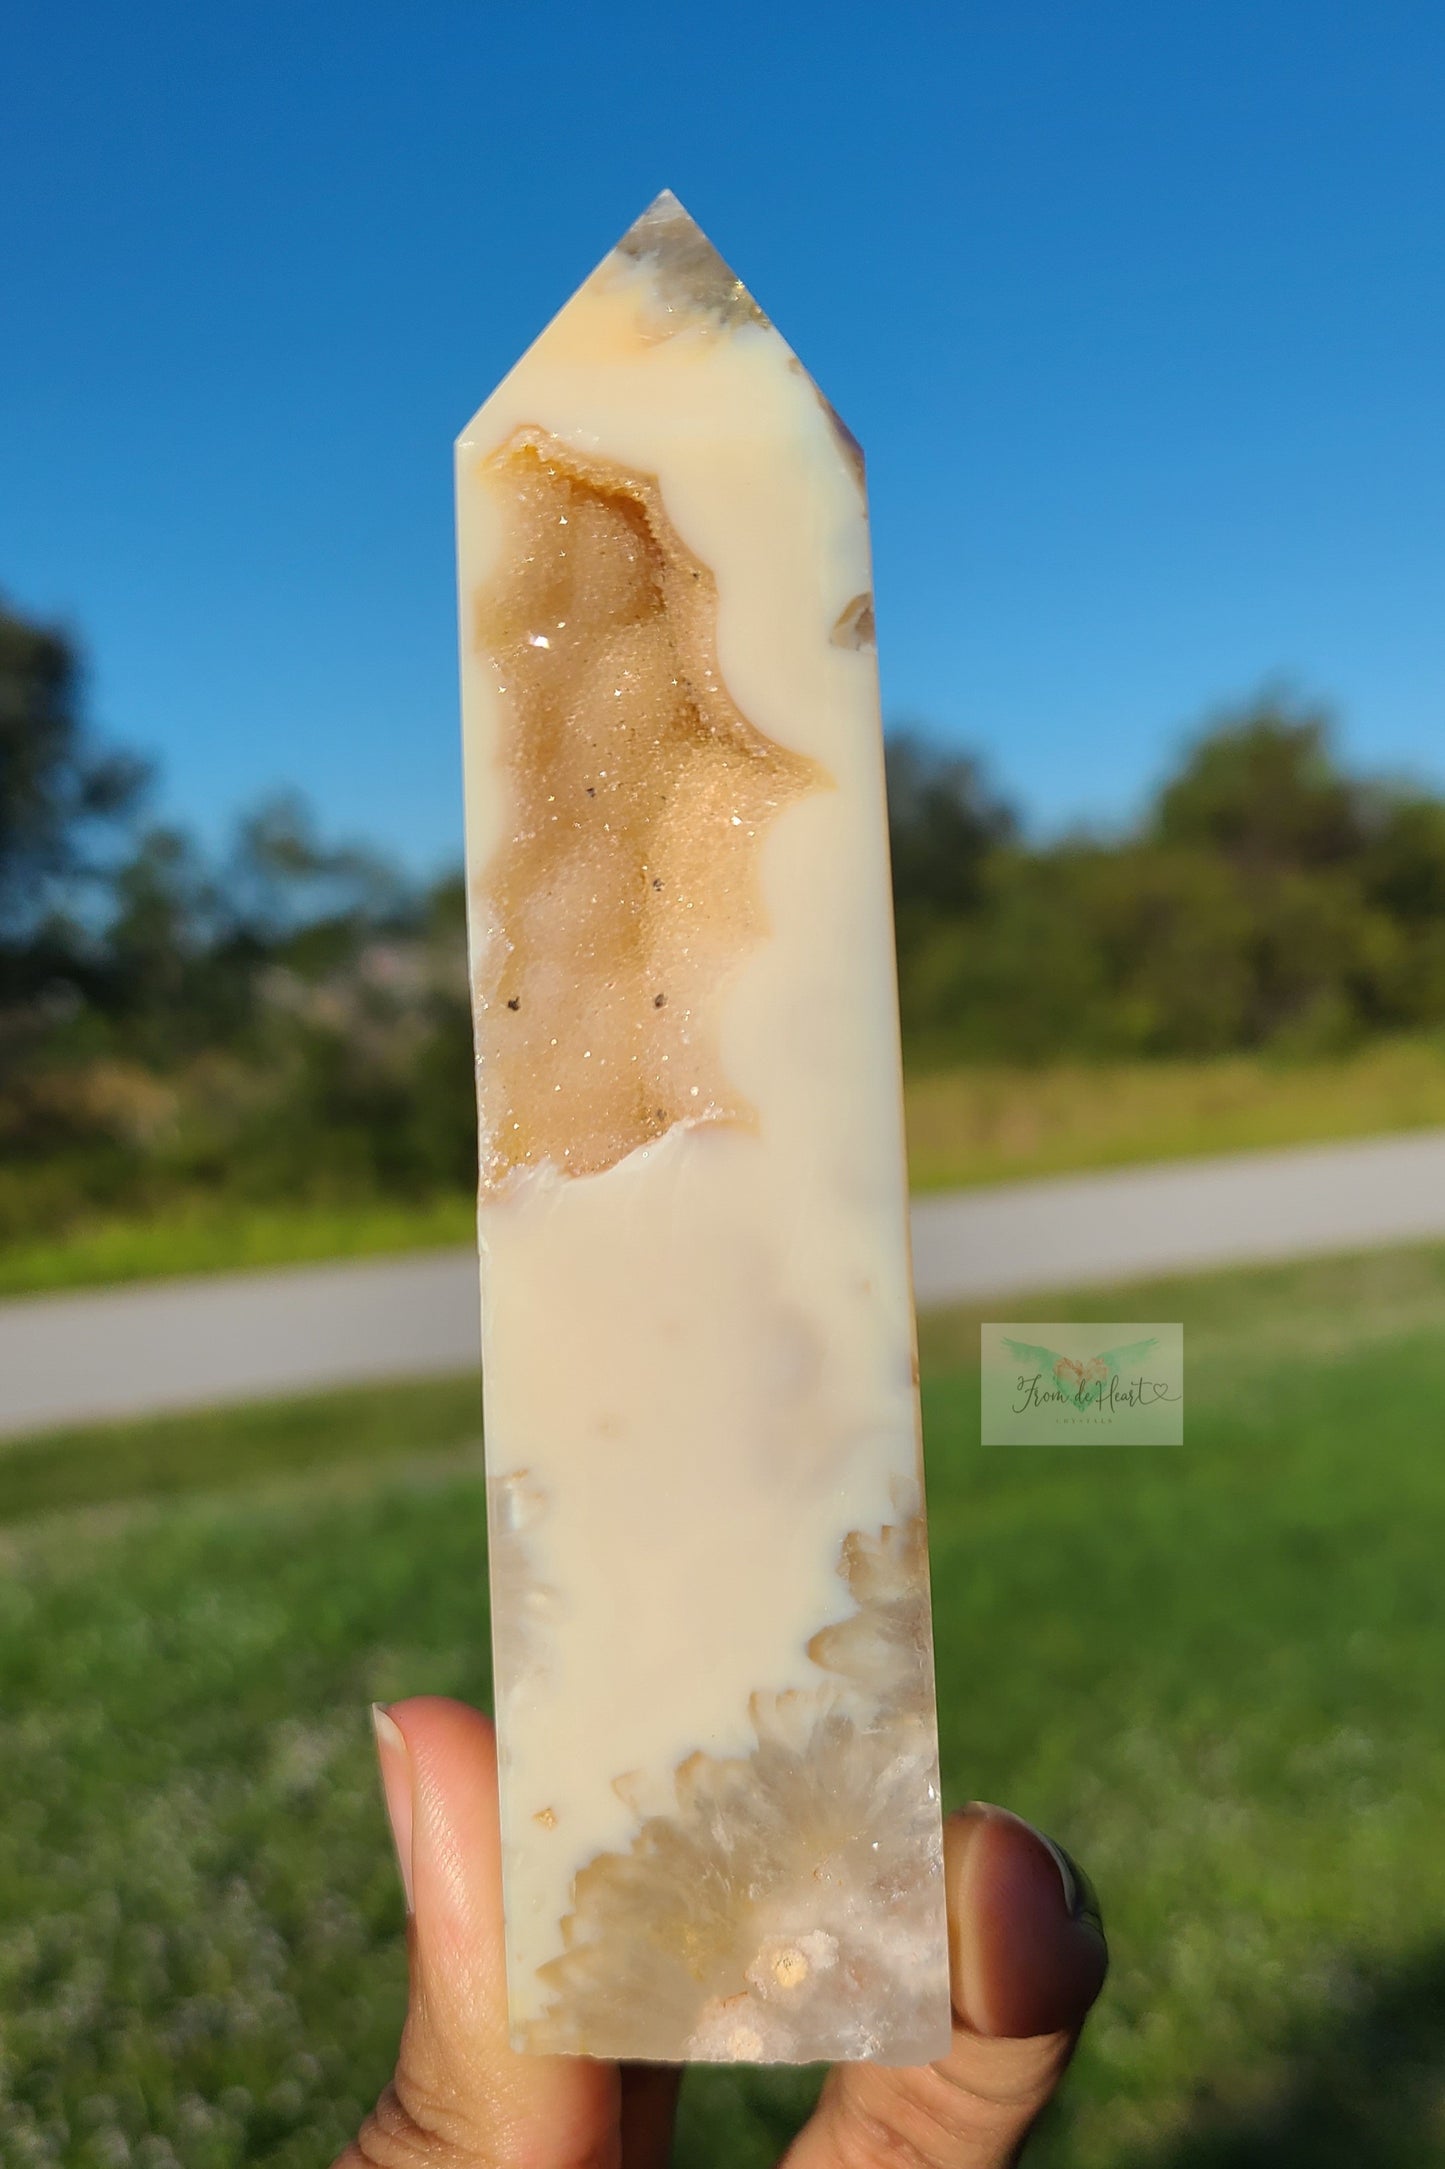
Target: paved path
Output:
[
  {"x": 1130, "y": 1222},
  {"x": 234, "y": 1337},
  {"x": 177, "y": 1344}
]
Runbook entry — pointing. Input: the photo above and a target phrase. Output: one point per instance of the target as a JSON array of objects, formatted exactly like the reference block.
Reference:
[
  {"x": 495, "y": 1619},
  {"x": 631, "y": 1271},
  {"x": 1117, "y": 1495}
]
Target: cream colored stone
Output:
[{"x": 714, "y": 1674}]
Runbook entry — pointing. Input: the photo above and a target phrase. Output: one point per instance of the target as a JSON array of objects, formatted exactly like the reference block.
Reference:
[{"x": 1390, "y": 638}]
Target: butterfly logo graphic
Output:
[{"x": 1077, "y": 1378}]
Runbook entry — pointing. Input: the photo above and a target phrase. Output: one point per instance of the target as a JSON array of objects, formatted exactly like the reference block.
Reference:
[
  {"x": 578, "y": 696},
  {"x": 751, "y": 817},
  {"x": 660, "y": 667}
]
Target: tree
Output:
[
  {"x": 1404, "y": 861},
  {"x": 942, "y": 822},
  {"x": 281, "y": 879},
  {"x": 58, "y": 790},
  {"x": 1261, "y": 788}
]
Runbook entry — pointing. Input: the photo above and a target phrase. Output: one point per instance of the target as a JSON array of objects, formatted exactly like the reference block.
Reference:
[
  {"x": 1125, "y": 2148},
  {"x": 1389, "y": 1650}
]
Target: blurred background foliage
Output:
[
  {"x": 285, "y": 1018},
  {"x": 1266, "y": 899}
]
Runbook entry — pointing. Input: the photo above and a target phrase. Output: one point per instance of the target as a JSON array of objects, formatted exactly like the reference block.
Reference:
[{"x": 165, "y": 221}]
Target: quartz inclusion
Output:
[
  {"x": 721, "y": 1833},
  {"x": 640, "y": 793}
]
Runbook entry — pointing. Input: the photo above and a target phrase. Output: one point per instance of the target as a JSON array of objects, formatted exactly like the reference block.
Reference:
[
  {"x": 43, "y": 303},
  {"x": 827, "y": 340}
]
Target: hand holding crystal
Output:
[{"x": 1027, "y": 1953}]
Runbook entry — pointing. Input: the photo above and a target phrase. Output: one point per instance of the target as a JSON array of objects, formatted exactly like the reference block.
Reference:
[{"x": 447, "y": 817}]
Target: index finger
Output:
[{"x": 461, "y": 2095}]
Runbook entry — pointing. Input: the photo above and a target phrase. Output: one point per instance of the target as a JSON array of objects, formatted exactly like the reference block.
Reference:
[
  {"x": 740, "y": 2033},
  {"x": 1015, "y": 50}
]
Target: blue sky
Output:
[{"x": 1138, "y": 309}]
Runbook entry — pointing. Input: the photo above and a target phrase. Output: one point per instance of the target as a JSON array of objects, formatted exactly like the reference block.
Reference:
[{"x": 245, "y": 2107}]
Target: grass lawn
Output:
[
  {"x": 964, "y": 1127},
  {"x": 1001, "y": 1125},
  {"x": 217, "y": 1236},
  {"x": 1214, "y": 1672}
]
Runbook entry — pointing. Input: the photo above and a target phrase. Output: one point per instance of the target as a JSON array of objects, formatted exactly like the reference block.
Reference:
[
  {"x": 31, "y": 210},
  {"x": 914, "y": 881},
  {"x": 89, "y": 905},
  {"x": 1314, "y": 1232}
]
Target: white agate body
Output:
[{"x": 710, "y": 1599}]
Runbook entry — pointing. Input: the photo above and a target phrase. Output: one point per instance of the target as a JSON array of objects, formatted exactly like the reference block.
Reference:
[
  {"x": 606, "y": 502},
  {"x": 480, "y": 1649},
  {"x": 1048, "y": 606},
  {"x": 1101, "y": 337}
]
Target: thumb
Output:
[
  {"x": 460, "y": 2096},
  {"x": 1028, "y": 1959}
]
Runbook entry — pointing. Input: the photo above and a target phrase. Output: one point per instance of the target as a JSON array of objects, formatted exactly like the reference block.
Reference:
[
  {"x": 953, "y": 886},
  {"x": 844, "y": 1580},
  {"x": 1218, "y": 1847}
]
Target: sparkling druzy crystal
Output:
[{"x": 710, "y": 1583}]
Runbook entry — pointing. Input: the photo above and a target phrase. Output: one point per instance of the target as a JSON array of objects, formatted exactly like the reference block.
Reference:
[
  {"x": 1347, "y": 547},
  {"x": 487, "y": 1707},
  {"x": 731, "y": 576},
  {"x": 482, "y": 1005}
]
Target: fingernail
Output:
[
  {"x": 395, "y": 1760},
  {"x": 1080, "y": 1896},
  {"x": 1029, "y": 1949}
]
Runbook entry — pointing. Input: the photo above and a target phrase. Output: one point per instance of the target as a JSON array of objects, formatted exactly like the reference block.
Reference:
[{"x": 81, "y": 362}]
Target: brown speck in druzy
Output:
[
  {"x": 657, "y": 884},
  {"x": 515, "y": 1002},
  {"x": 658, "y": 1000}
]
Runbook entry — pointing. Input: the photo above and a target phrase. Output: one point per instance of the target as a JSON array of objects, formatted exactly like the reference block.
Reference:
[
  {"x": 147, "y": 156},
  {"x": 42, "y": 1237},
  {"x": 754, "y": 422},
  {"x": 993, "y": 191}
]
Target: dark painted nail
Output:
[
  {"x": 1028, "y": 1943},
  {"x": 1080, "y": 1896}
]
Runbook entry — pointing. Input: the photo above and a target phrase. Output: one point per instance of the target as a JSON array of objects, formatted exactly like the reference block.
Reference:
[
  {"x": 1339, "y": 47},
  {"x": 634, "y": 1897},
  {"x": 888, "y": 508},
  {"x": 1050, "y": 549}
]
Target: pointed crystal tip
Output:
[{"x": 690, "y": 274}]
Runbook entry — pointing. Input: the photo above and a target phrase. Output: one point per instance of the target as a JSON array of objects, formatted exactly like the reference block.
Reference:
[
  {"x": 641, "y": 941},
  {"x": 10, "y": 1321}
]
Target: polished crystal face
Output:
[
  {"x": 721, "y": 1830},
  {"x": 784, "y": 1898}
]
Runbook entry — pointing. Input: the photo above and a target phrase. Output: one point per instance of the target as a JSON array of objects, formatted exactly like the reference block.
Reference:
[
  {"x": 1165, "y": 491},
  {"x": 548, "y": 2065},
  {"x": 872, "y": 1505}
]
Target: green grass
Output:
[
  {"x": 1213, "y": 1671},
  {"x": 965, "y": 1126},
  {"x": 999, "y": 1125},
  {"x": 216, "y": 1235},
  {"x": 231, "y": 1449}
]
